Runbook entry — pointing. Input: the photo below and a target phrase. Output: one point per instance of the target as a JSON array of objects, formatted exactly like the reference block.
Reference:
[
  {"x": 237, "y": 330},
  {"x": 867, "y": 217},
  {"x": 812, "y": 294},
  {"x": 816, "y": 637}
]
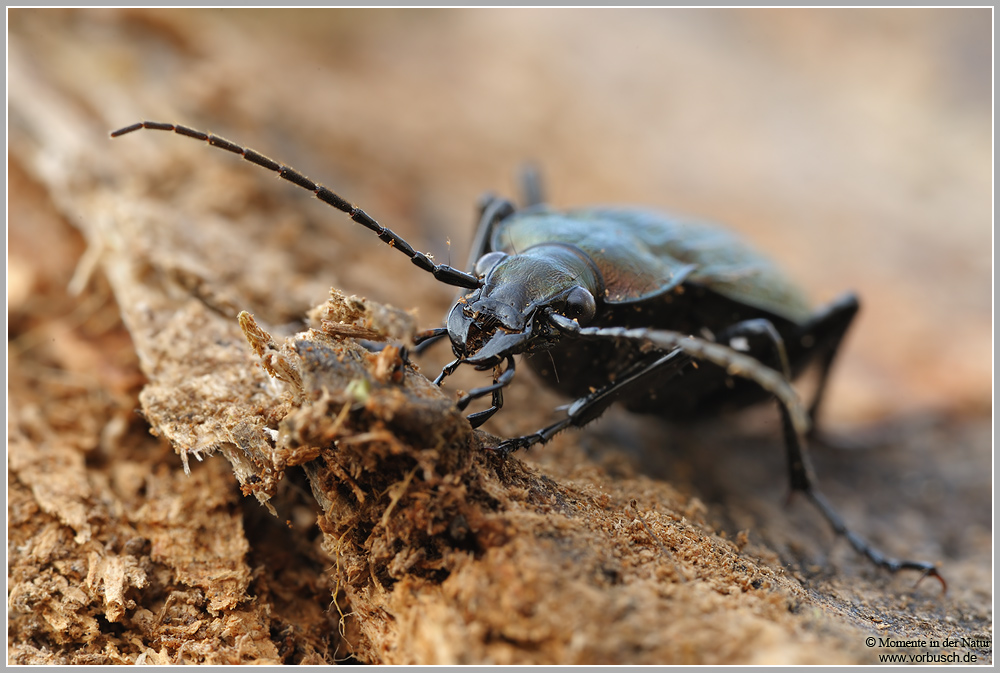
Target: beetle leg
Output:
[
  {"x": 680, "y": 351},
  {"x": 795, "y": 422},
  {"x": 764, "y": 329},
  {"x": 447, "y": 371},
  {"x": 802, "y": 478},
  {"x": 825, "y": 332},
  {"x": 799, "y": 469},
  {"x": 589, "y": 407},
  {"x": 428, "y": 338},
  {"x": 493, "y": 210},
  {"x": 532, "y": 192},
  {"x": 735, "y": 363},
  {"x": 480, "y": 417},
  {"x": 499, "y": 383}
]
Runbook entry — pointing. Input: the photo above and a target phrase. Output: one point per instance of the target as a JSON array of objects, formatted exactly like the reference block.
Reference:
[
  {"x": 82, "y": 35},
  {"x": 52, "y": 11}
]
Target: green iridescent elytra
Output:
[{"x": 641, "y": 254}]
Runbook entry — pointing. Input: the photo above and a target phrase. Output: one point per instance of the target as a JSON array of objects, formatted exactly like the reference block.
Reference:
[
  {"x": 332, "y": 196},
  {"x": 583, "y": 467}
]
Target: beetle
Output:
[{"x": 667, "y": 316}]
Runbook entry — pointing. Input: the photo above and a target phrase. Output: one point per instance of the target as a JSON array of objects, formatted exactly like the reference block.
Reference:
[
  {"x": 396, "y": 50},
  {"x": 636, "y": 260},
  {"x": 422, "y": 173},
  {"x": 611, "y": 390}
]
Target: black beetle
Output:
[{"x": 603, "y": 302}]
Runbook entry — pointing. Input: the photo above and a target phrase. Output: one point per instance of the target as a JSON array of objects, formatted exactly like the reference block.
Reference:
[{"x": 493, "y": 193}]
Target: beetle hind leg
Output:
[
  {"x": 801, "y": 478},
  {"x": 795, "y": 420},
  {"x": 825, "y": 332},
  {"x": 833, "y": 324}
]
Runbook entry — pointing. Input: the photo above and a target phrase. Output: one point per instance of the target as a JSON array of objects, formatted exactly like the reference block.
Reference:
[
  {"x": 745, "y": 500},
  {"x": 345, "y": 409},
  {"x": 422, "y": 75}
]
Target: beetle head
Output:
[{"x": 506, "y": 314}]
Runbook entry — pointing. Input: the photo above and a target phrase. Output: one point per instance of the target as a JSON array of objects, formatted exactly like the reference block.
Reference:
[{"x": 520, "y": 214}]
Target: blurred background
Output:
[{"x": 852, "y": 145}]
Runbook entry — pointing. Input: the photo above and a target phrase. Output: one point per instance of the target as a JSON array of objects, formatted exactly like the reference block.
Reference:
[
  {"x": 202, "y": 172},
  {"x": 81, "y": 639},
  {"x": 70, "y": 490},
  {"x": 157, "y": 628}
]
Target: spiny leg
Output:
[
  {"x": 794, "y": 421},
  {"x": 802, "y": 480},
  {"x": 441, "y": 272},
  {"x": 588, "y": 408}
]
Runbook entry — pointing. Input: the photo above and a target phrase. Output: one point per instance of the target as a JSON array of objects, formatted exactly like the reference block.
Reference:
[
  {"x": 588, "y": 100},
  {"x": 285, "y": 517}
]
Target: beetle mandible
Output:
[{"x": 604, "y": 304}]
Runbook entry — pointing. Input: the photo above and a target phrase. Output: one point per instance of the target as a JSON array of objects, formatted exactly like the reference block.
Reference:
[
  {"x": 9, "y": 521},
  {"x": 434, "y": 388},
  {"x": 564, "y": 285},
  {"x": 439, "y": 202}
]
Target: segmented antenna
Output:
[{"x": 442, "y": 272}]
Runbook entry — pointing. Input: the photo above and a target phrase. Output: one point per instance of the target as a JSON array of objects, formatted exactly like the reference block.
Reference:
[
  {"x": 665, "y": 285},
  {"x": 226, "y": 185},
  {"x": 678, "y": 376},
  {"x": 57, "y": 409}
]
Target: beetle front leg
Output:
[
  {"x": 500, "y": 382},
  {"x": 428, "y": 338},
  {"x": 588, "y": 408}
]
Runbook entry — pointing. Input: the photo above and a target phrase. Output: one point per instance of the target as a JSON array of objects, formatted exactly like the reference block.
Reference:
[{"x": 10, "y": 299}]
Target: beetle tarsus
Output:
[
  {"x": 509, "y": 446},
  {"x": 864, "y": 548}
]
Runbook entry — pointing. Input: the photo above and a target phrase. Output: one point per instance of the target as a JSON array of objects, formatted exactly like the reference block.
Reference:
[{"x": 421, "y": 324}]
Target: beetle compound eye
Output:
[
  {"x": 488, "y": 261},
  {"x": 580, "y": 305}
]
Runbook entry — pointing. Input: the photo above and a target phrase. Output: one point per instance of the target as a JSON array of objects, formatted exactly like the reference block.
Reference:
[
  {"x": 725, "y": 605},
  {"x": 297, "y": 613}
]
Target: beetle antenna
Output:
[{"x": 442, "y": 272}]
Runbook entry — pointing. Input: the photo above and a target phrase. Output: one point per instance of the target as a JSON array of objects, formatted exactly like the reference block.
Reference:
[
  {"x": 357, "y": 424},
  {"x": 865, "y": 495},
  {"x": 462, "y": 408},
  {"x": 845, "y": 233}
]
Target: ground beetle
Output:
[{"x": 605, "y": 303}]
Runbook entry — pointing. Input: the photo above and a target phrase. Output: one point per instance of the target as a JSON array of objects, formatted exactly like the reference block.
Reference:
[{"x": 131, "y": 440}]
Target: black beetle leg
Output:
[
  {"x": 532, "y": 192},
  {"x": 496, "y": 389},
  {"x": 824, "y": 333},
  {"x": 478, "y": 418},
  {"x": 802, "y": 480},
  {"x": 428, "y": 338},
  {"x": 587, "y": 408},
  {"x": 832, "y": 324},
  {"x": 493, "y": 210},
  {"x": 735, "y": 363},
  {"x": 800, "y": 472},
  {"x": 447, "y": 371},
  {"x": 763, "y": 329},
  {"x": 795, "y": 421}
]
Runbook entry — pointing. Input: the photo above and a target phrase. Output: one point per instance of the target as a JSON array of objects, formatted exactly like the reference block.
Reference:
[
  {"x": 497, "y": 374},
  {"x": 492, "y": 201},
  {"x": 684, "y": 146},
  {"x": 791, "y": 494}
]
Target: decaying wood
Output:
[{"x": 381, "y": 529}]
